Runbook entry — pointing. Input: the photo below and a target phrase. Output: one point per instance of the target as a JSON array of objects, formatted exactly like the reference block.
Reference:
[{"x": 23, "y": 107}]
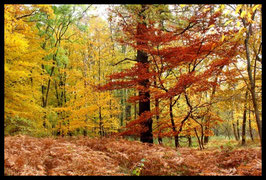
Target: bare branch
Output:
[
  {"x": 126, "y": 59},
  {"x": 26, "y": 15}
]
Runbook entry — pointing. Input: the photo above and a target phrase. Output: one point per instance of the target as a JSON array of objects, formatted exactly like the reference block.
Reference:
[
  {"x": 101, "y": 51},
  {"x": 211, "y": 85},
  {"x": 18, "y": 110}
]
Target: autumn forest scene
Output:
[{"x": 132, "y": 90}]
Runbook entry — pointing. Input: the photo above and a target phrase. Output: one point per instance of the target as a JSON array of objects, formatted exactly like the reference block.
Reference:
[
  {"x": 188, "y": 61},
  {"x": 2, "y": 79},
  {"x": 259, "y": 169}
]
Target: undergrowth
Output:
[{"x": 25, "y": 155}]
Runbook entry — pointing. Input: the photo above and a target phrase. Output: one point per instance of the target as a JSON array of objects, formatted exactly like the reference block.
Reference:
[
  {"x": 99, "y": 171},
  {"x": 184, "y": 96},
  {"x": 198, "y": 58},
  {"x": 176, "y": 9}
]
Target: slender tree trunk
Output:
[
  {"x": 101, "y": 132},
  {"x": 202, "y": 137},
  {"x": 122, "y": 108},
  {"x": 244, "y": 120},
  {"x": 48, "y": 87},
  {"x": 85, "y": 70},
  {"x": 160, "y": 141},
  {"x": 237, "y": 129},
  {"x": 249, "y": 123},
  {"x": 199, "y": 141},
  {"x": 100, "y": 122},
  {"x": 135, "y": 108},
  {"x": 173, "y": 123},
  {"x": 234, "y": 125},
  {"x": 251, "y": 80},
  {"x": 64, "y": 85},
  {"x": 207, "y": 120},
  {"x": 234, "y": 130}
]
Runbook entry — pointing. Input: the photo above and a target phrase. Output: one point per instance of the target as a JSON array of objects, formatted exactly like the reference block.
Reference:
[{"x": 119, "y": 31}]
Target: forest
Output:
[{"x": 133, "y": 89}]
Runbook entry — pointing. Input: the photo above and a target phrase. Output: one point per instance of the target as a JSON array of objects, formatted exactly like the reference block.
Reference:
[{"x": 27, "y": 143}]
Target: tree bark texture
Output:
[{"x": 144, "y": 104}]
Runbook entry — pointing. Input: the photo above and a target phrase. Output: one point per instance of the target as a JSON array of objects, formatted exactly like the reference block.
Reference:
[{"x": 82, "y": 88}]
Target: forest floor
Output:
[{"x": 25, "y": 155}]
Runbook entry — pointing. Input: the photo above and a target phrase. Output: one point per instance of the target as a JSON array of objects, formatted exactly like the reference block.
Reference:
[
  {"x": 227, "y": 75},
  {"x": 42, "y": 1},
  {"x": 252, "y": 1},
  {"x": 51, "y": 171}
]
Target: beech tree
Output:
[{"x": 177, "y": 52}]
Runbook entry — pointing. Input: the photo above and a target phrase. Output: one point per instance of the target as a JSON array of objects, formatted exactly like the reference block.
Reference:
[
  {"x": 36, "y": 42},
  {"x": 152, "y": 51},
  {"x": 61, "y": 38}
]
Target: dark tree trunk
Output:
[
  {"x": 249, "y": 123},
  {"x": 244, "y": 120},
  {"x": 189, "y": 141},
  {"x": 173, "y": 123},
  {"x": 199, "y": 140},
  {"x": 135, "y": 108},
  {"x": 122, "y": 109},
  {"x": 237, "y": 129},
  {"x": 160, "y": 140},
  {"x": 100, "y": 122},
  {"x": 144, "y": 103},
  {"x": 85, "y": 132},
  {"x": 144, "y": 106},
  {"x": 234, "y": 126}
]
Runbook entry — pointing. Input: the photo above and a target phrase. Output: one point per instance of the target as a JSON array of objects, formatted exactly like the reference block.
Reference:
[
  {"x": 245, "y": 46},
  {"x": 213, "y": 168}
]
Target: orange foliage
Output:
[{"x": 82, "y": 156}]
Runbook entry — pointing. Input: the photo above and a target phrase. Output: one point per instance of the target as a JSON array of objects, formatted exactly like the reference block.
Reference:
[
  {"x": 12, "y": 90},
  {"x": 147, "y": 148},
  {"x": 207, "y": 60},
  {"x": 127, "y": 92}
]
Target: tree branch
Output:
[
  {"x": 126, "y": 59},
  {"x": 26, "y": 15}
]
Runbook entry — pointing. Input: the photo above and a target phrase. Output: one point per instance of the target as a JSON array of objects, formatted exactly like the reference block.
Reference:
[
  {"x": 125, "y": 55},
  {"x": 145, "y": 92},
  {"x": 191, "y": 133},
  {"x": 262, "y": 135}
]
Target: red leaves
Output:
[
  {"x": 219, "y": 63},
  {"x": 130, "y": 78},
  {"x": 185, "y": 58},
  {"x": 190, "y": 48},
  {"x": 136, "y": 127}
]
